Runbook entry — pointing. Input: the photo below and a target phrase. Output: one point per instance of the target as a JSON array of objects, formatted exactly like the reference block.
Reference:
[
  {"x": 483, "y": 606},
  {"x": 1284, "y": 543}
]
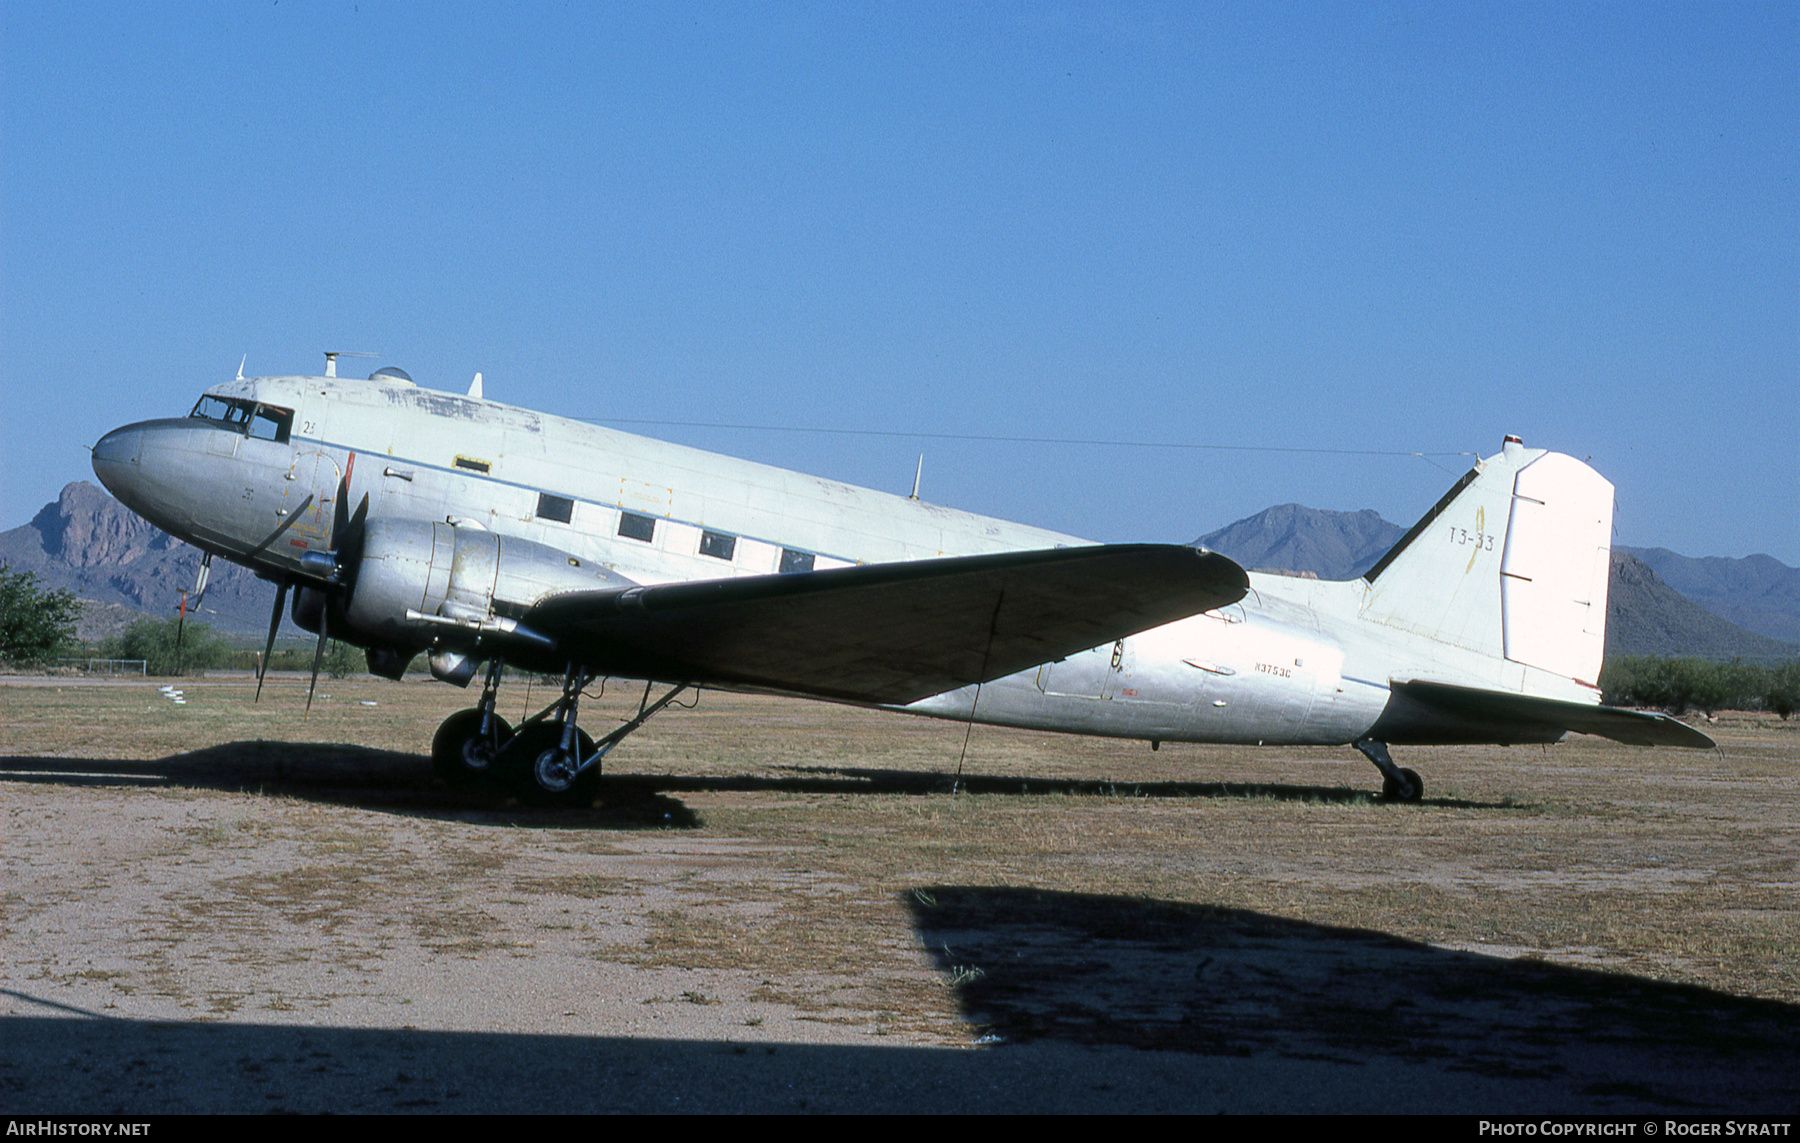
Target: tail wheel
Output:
[
  {"x": 461, "y": 754},
  {"x": 540, "y": 773}
]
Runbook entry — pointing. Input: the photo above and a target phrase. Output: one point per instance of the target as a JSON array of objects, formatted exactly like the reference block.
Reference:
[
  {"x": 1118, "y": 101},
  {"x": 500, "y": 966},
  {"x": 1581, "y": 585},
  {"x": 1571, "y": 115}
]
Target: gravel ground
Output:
[{"x": 288, "y": 926}]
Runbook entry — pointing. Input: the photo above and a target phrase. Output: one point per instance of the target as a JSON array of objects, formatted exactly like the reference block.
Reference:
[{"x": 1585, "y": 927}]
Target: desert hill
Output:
[
  {"x": 1757, "y": 592},
  {"x": 1290, "y": 537}
]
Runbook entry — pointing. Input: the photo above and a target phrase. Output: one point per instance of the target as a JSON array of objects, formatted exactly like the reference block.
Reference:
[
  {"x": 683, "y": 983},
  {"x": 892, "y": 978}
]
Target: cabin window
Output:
[
  {"x": 718, "y": 545},
  {"x": 472, "y": 464},
  {"x": 558, "y": 508},
  {"x": 635, "y": 527},
  {"x": 792, "y": 561}
]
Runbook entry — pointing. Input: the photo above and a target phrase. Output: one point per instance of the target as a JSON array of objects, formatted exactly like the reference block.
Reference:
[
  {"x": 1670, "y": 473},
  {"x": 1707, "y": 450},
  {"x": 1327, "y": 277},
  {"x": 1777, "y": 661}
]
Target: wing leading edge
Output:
[{"x": 889, "y": 633}]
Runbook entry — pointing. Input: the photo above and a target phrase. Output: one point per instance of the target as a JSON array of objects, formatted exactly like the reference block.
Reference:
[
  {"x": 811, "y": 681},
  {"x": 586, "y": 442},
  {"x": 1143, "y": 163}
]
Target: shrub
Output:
[
  {"x": 1676, "y": 685},
  {"x": 1782, "y": 695},
  {"x": 153, "y": 640},
  {"x": 35, "y": 622}
]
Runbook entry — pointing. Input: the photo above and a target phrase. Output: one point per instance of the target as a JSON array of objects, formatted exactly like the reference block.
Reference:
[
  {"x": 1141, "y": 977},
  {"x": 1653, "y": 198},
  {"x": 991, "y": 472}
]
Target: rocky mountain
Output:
[
  {"x": 1290, "y": 537},
  {"x": 124, "y": 568},
  {"x": 1757, "y": 592},
  {"x": 1645, "y": 614}
]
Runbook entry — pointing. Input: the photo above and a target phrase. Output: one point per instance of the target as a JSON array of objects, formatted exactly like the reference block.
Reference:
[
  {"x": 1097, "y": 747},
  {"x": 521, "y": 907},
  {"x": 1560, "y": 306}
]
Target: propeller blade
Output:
[
  {"x": 181, "y": 620},
  {"x": 262, "y": 668},
  {"x": 318, "y": 657}
]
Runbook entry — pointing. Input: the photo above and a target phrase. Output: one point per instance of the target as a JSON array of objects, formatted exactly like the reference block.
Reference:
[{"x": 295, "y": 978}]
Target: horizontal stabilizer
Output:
[
  {"x": 1527, "y": 713},
  {"x": 889, "y": 633}
]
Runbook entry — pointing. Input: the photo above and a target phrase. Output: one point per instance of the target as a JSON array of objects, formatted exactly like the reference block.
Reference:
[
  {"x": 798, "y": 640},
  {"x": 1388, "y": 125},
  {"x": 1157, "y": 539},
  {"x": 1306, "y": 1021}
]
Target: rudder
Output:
[
  {"x": 1512, "y": 563},
  {"x": 1554, "y": 573}
]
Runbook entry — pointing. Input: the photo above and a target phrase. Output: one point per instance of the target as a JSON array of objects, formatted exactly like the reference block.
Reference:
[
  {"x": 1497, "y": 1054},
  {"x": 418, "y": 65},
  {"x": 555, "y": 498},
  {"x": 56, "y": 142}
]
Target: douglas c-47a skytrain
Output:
[{"x": 407, "y": 521}]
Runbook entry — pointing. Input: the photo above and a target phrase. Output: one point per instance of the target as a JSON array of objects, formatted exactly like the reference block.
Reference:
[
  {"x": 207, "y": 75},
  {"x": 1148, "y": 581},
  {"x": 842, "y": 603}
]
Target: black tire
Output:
[
  {"x": 1391, "y": 789},
  {"x": 520, "y": 768},
  {"x": 458, "y": 755}
]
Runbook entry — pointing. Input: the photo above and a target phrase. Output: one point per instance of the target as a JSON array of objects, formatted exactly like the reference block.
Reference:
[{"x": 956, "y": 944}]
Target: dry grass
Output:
[{"x": 755, "y": 857}]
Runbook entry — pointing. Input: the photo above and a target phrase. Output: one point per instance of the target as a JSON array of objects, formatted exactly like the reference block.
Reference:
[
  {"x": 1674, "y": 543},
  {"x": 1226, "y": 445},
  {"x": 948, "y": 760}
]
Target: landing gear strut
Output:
[
  {"x": 1397, "y": 784},
  {"x": 466, "y": 744},
  {"x": 543, "y": 765},
  {"x": 550, "y": 761}
]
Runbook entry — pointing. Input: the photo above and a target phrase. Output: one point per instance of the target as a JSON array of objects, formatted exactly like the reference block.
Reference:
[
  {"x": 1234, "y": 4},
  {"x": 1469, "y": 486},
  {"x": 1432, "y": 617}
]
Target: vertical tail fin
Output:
[{"x": 1512, "y": 563}]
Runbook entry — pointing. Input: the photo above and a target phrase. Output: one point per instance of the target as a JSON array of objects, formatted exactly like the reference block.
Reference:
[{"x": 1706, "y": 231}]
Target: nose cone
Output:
[
  {"x": 182, "y": 474},
  {"x": 116, "y": 458}
]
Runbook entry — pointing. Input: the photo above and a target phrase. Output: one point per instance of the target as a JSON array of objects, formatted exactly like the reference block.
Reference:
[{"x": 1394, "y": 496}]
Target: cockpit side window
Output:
[
  {"x": 272, "y": 423},
  {"x": 268, "y": 422}
]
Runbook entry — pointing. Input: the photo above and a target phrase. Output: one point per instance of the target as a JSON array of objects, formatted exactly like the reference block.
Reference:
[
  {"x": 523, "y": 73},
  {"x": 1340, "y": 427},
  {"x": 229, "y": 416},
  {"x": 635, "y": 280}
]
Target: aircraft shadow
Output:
[
  {"x": 930, "y": 782},
  {"x": 403, "y": 783},
  {"x": 1033, "y": 965},
  {"x": 349, "y": 775}
]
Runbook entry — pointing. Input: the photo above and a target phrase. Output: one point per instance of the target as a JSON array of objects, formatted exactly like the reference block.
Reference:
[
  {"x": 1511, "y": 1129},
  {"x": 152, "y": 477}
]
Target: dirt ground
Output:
[{"x": 218, "y": 905}]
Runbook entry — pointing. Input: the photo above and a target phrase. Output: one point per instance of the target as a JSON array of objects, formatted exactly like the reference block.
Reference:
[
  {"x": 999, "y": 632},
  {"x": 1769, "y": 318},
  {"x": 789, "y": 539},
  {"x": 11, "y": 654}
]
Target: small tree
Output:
[
  {"x": 1705, "y": 685},
  {"x": 153, "y": 640},
  {"x": 1783, "y": 694},
  {"x": 35, "y": 622}
]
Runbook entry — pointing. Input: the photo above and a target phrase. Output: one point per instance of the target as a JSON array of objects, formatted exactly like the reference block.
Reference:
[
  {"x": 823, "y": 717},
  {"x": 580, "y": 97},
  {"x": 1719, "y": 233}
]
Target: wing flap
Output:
[
  {"x": 1530, "y": 713},
  {"x": 889, "y": 633}
]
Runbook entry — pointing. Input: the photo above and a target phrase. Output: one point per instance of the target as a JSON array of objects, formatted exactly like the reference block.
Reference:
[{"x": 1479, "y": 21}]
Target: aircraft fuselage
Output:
[{"x": 267, "y": 472}]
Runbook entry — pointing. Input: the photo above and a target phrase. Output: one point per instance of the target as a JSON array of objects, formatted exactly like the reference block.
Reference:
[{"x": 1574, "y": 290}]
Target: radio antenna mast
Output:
[{"x": 331, "y": 356}]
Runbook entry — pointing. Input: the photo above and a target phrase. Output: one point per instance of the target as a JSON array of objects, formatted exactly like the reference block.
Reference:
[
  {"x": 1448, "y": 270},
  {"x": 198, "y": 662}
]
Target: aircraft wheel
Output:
[
  {"x": 534, "y": 766},
  {"x": 1391, "y": 789},
  {"x": 460, "y": 754}
]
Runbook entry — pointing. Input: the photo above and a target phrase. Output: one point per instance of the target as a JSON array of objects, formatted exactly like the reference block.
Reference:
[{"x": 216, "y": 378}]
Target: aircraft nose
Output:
[{"x": 116, "y": 457}]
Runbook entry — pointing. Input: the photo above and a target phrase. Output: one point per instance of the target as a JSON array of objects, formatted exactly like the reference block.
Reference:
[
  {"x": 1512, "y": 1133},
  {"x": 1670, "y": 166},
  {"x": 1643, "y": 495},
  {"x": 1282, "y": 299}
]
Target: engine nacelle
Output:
[{"x": 421, "y": 584}]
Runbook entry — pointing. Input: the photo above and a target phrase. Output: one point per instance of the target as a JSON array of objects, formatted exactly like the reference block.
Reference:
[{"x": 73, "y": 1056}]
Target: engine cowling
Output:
[{"x": 419, "y": 583}]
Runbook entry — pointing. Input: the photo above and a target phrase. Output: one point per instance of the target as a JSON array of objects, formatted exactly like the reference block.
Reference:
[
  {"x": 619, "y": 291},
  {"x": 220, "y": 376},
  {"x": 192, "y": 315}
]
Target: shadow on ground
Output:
[
  {"x": 1039, "y": 966},
  {"x": 1079, "y": 1003},
  {"x": 352, "y": 776},
  {"x": 86, "y": 1066},
  {"x": 383, "y": 779},
  {"x": 851, "y": 779}
]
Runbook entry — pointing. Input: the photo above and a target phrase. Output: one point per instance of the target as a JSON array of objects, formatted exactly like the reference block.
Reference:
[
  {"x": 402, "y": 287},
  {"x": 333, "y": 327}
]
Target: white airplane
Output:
[{"x": 409, "y": 520}]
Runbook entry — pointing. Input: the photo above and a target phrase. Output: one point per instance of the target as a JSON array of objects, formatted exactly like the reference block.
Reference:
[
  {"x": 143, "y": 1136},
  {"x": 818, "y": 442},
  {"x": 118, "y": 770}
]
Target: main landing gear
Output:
[
  {"x": 1397, "y": 784},
  {"x": 466, "y": 744},
  {"x": 550, "y": 761}
]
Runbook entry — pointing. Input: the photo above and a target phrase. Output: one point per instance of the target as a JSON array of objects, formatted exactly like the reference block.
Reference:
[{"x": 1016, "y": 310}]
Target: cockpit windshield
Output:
[{"x": 267, "y": 422}]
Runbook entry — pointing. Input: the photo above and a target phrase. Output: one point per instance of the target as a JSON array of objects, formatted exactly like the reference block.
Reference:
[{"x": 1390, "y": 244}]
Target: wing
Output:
[
  {"x": 1541, "y": 719},
  {"x": 888, "y": 633}
]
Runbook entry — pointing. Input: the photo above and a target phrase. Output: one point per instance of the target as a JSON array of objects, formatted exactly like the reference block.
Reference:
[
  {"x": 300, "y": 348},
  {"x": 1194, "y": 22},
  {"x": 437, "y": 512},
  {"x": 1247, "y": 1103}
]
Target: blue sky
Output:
[{"x": 1323, "y": 236}]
